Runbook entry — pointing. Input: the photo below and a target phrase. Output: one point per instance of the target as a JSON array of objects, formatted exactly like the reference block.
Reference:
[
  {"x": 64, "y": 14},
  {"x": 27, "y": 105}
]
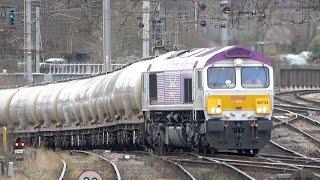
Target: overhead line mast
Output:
[
  {"x": 38, "y": 39},
  {"x": 106, "y": 35},
  {"x": 146, "y": 28},
  {"x": 28, "y": 48}
]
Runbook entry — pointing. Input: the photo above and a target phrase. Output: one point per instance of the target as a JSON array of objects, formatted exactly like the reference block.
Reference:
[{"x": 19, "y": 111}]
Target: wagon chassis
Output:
[{"x": 127, "y": 135}]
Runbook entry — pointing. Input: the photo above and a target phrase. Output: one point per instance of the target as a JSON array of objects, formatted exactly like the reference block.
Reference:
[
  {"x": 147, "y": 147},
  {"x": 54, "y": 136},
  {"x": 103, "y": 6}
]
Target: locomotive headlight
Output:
[
  {"x": 218, "y": 111},
  {"x": 263, "y": 105},
  {"x": 238, "y": 62},
  {"x": 264, "y": 109},
  {"x": 259, "y": 110},
  {"x": 214, "y": 105}
]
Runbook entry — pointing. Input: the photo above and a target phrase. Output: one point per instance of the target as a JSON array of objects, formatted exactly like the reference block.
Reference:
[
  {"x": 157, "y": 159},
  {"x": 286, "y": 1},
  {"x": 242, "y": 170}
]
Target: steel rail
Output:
[
  {"x": 64, "y": 169},
  {"x": 226, "y": 165},
  {"x": 298, "y": 129},
  {"x": 283, "y": 148},
  {"x": 299, "y": 96},
  {"x": 272, "y": 164},
  {"x": 299, "y": 167},
  {"x": 296, "y": 116},
  {"x": 293, "y": 159},
  {"x": 289, "y": 150},
  {"x": 279, "y": 161},
  {"x": 115, "y": 168},
  {"x": 295, "y": 92},
  {"x": 244, "y": 163},
  {"x": 297, "y": 154},
  {"x": 299, "y": 108},
  {"x": 289, "y": 102},
  {"x": 184, "y": 171},
  {"x": 301, "y": 131}
]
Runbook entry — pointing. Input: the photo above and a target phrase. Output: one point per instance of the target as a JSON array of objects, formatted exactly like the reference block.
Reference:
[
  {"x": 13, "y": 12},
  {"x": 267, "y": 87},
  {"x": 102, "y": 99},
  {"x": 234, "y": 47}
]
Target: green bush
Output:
[{"x": 315, "y": 48}]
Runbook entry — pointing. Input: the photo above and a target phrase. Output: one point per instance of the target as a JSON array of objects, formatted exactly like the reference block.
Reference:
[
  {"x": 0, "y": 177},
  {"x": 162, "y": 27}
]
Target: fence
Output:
[
  {"x": 54, "y": 72},
  {"x": 297, "y": 77}
]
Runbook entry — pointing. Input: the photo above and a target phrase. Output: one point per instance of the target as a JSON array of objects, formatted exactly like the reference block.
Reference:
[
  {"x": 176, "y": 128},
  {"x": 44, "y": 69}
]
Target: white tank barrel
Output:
[
  {"x": 96, "y": 112},
  {"x": 47, "y": 104},
  {"x": 6, "y": 96},
  {"x": 127, "y": 91},
  {"x": 23, "y": 107}
]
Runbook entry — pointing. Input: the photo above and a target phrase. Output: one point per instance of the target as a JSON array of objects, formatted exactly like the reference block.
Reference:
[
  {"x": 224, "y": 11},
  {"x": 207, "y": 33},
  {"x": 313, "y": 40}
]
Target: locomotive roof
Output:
[{"x": 200, "y": 57}]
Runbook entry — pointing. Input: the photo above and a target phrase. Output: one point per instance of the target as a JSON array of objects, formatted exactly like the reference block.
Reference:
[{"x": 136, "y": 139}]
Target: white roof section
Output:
[{"x": 184, "y": 60}]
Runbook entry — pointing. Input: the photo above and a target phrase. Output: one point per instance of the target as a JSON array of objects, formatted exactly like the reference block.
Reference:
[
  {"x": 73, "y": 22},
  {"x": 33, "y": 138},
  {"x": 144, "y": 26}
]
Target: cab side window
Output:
[
  {"x": 153, "y": 86},
  {"x": 188, "y": 90}
]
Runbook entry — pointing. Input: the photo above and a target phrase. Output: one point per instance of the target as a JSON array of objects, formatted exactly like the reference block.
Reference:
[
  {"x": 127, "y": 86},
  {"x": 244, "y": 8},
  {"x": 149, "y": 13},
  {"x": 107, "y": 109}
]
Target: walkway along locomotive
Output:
[{"x": 207, "y": 98}]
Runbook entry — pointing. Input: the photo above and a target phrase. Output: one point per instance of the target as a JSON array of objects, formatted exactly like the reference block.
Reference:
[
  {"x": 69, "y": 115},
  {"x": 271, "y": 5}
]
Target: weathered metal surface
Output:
[{"x": 297, "y": 77}]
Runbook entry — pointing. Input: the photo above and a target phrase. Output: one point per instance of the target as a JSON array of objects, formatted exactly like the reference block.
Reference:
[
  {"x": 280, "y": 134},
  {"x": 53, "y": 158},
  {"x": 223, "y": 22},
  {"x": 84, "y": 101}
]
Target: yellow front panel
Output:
[{"x": 238, "y": 102}]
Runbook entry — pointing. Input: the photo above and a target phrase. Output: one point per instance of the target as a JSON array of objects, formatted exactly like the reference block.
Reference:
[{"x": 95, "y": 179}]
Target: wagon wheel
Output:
[{"x": 159, "y": 148}]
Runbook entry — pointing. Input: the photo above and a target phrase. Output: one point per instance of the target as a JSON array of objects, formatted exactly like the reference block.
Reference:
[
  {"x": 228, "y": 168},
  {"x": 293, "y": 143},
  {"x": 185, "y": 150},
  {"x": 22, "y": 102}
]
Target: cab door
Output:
[{"x": 198, "y": 90}]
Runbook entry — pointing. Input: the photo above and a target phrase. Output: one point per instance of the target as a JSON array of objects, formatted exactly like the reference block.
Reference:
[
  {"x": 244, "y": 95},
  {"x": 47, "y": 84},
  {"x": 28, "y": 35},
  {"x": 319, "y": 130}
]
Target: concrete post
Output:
[
  {"x": 146, "y": 28},
  {"x": 106, "y": 35},
  {"x": 5, "y": 140},
  {"x": 28, "y": 43},
  {"x": 10, "y": 169},
  {"x": 38, "y": 39}
]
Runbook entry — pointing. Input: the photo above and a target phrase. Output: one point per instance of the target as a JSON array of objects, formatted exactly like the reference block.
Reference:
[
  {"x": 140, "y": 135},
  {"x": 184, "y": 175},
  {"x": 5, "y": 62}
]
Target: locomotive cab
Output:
[
  {"x": 238, "y": 104},
  {"x": 217, "y": 98}
]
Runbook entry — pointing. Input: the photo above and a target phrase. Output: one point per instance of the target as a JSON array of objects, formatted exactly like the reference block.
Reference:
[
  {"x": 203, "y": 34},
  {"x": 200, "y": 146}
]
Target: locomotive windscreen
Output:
[
  {"x": 255, "y": 77},
  {"x": 221, "y": 77}
]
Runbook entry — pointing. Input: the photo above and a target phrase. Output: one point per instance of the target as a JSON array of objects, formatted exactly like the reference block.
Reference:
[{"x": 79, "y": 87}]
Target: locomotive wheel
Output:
[{"x": 159, "y": 146}]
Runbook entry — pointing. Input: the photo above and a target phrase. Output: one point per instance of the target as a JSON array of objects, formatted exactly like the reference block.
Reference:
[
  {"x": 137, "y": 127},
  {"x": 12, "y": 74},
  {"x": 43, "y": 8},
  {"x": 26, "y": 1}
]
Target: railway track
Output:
[
  {"x": 258, "y": 168},
  {"x": 226, "y": 166},
  {"x": 305, "y": 150},
  {"x": 263, "y": 166},
  {"x": 298, "y": 160},
  {"x": 300, "y": 127},
  {"x": 295, "y": 137},
  {"x": 78, "y": 161},
  {"x": 298, "y": 102},
  {"x": 296, "y": 98},
  {"x": 310, "y": 97},
  {"x": 276, "y": 149},
  {"x": 64, "y": 168},
  {"x": 202, "y": 167},
  {"x": 145, "y": 165}
]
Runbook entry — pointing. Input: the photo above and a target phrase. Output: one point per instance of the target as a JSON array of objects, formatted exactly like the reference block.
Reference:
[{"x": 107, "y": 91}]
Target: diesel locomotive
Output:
[{"x": 205, "y": 99}]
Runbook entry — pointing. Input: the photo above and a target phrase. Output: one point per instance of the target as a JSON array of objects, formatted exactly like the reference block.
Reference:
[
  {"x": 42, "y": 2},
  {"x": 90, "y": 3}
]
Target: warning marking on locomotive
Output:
[
  {"x": 239, "y": 97},
  {"x": 90, "y": 175}
]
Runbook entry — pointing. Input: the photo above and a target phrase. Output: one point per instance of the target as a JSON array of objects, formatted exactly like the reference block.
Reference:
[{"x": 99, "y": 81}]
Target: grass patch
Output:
[{"x": 42, "y": 164}]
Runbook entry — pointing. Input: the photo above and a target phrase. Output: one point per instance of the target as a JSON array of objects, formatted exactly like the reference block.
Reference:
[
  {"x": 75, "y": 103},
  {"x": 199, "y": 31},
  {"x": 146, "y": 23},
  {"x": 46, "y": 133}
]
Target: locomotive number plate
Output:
[{"x": 263, "y": 102}]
